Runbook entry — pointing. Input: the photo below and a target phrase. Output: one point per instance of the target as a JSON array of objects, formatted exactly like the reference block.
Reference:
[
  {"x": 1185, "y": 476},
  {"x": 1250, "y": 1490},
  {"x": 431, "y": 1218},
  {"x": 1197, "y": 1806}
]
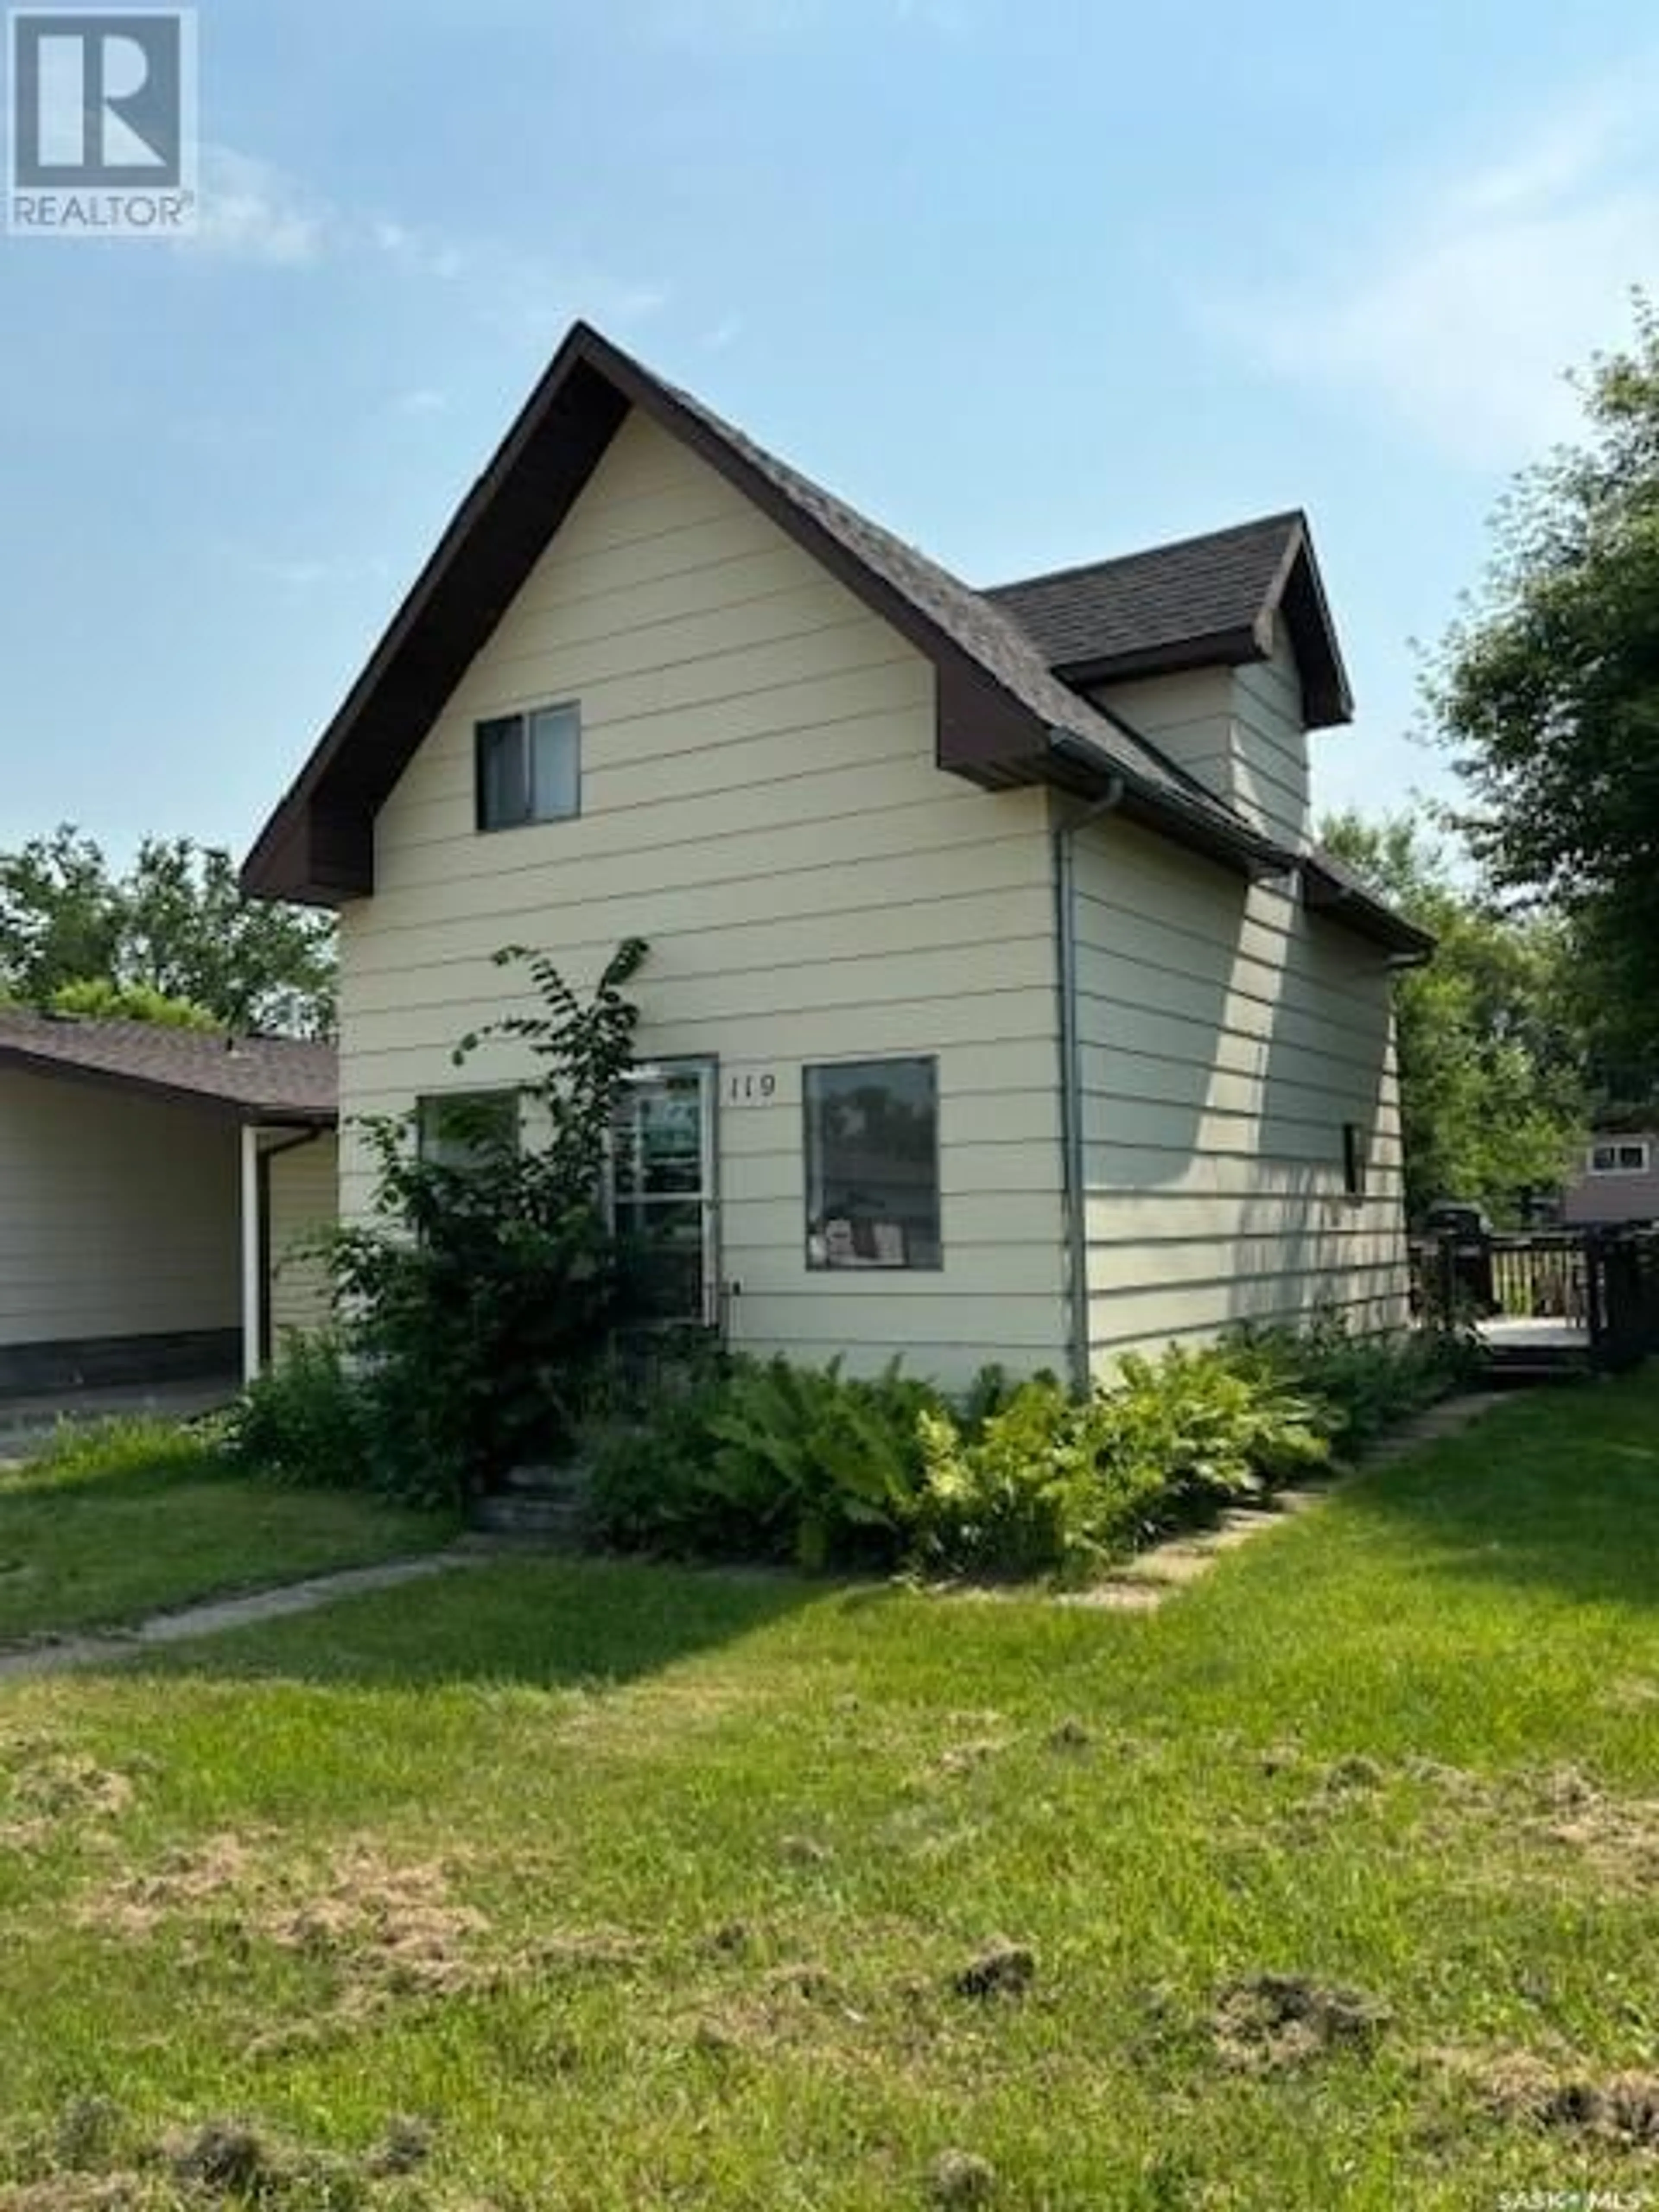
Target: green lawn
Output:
[
  {"x": 119, "y": 1521},
  {"x": 614, "y": 1886}
]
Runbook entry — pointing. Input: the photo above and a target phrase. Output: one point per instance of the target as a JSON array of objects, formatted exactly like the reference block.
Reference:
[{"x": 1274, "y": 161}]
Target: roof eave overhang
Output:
[
  {"x": 319, "y": 846},
  {"x": 1296, "y": 596},
  {"x": 1407, "y": 944},
  {"x": 1221, "y": 649},
  {"x": 1074, "y": 764},
  {"x": 262, "y": 1112}
]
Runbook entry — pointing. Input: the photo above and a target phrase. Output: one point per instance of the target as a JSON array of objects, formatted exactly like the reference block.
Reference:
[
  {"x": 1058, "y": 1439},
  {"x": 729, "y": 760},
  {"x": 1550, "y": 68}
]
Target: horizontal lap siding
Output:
[
  {"x": 119, "y": 1215},
  {"x": 1227, "y": 1036},
  {"x": 1270, "y": 745},
  {"x": 304, "y": 1186},
  {"x": 1613, "y": 1198},
  {"x": 1239, "y": 730},
  {"x": 760, "y": 801}
]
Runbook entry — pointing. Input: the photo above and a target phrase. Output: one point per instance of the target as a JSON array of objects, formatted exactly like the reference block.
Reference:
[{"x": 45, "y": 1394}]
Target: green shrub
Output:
[
  {"x": 307, "y": 1421},
  {"x": 1025, "y": 1490},
  {"x": 1051, "y": 1480},
  {"x": 1361, "y": 1384},
  {"x": 646, "y": 1468},
  {"x": 767, "y": 1460},
  {"x": 484, "y": 1290},
  {"x": 764, "y": 1459}
]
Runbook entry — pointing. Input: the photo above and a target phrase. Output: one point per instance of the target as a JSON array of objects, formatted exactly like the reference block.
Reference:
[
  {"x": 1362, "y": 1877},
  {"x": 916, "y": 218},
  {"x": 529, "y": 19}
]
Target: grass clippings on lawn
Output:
[{"x": 636, "y": 1888}]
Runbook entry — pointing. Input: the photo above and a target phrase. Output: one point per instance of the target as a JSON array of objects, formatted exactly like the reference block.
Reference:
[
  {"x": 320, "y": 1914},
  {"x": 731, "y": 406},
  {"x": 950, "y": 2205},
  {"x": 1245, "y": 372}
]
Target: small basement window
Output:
[
  {"x": 873, "y": 1164},
  {"x": 1354, "y": 1149},
  {"x": 465, "y": 1128},
  {"x": 1619, "y": 1156},
  {"x": 529, "y": 768}
]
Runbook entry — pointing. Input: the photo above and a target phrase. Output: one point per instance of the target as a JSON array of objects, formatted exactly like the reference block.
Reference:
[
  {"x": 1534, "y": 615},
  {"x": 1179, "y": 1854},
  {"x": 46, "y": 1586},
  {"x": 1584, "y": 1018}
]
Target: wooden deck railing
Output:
[{"x": 1602, "y": 1283}]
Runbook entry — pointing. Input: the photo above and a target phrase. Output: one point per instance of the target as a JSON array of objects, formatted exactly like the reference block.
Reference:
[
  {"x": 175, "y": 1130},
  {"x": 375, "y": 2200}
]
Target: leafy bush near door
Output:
[{"x": 477, "y": 1303}]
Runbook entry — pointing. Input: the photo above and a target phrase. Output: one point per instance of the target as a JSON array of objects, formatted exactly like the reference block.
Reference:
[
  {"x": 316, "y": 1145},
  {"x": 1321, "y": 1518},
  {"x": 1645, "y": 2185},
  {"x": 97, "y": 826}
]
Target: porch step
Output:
[
  {"x": 535, "y": 1481},
  {"x": 543, "y": 1505}
]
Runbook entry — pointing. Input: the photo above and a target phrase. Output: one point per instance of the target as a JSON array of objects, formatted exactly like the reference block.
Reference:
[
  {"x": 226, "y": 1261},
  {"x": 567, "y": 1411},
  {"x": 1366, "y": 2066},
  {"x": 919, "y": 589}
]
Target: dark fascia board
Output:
[
  {"x": 1297, "y": 595},
  {"x": 1363, "y": 911},
  {"x": 25, "y": 1062},
  {"x": 1189, "y": 821},
  {"x": 319, "y": 846},
  {"x": 1221, "y": 649}
]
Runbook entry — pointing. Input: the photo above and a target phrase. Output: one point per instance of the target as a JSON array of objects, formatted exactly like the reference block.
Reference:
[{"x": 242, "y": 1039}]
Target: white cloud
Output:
[
  {"x": 423, "y": 400},
  {"x": 1462, "y": 312},
  {"x": 529, "y": 298},
  {"x": 250, "y": 211},
  {"x": 424, "y": 253}
]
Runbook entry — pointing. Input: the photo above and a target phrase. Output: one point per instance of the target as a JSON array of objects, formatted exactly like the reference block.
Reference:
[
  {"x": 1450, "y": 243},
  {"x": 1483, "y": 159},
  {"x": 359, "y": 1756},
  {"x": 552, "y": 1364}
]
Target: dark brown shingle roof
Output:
[
  {"x": 255, "y": 1078},
  {"x": 999, "y": 705},
  {"x": 988, "y": 634},
  {"x": 1198, "y": 602},
  {"x": 1005, "y": 716}
]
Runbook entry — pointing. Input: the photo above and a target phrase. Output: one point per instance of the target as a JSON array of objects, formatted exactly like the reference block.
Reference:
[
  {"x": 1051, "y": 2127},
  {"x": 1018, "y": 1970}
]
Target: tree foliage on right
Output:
[
  {"x": 1491, "y": 1098},
  {"x": 1547, "y": 694}
]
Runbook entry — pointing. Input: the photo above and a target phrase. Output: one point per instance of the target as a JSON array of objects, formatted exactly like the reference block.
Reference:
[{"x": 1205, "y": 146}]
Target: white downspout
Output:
[
  {"x": 253, "y": 1289},
  {"x": 1073, "y": 1146}
]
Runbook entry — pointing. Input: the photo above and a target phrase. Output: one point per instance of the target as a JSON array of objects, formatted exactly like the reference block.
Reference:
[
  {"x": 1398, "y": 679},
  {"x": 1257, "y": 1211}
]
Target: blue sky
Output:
[{"x": 1031, "y": 282}]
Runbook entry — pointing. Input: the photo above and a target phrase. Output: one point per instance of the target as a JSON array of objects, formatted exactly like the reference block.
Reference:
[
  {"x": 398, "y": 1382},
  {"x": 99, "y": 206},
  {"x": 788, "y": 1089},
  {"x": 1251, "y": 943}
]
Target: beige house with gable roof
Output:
[{"x": 999, "y": 1005}]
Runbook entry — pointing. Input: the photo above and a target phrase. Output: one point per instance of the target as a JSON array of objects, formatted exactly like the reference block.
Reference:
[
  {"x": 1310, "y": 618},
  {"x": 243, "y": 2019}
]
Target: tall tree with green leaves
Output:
[
  {"x": 1547, "y": 694},
  {"x": 1492, "y": 1097},
  {"x": 176, "y": 927}
]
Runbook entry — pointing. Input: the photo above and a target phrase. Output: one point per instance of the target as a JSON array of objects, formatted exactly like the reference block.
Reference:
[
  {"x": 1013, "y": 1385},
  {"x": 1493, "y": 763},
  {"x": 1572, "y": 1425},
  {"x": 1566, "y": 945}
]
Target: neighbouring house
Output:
[
  {"x": 1000, "y": 1003},
  {"x": 1618, "y": 1180},
  {"x": 153, "y": 1184}
]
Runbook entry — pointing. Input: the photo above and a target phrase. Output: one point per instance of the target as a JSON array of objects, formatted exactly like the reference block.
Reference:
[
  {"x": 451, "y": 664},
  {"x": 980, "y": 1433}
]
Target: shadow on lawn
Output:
[
  {"x": 1558, "y": 1490},
  {"x": 540, "y": 1622}
]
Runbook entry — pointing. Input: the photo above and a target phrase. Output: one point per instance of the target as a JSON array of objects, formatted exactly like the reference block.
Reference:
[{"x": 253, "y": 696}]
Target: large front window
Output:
[{"x": 873, "y": 1164}]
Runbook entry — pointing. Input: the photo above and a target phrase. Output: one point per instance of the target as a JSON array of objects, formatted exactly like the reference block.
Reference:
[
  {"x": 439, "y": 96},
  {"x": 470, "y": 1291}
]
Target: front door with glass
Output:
[{"x": 663, "y": 1196}]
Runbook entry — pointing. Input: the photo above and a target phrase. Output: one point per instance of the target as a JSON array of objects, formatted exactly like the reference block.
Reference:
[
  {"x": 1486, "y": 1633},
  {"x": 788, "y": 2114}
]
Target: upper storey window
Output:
[{"x": 530, "y": 767}]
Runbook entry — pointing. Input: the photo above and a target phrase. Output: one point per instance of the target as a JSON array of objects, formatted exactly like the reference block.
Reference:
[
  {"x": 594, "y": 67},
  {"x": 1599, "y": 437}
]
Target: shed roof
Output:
[{"x": 255, "y": 1078}]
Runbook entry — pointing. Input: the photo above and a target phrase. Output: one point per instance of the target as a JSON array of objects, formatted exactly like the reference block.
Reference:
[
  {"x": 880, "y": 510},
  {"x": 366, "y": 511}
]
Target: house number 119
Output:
[{"x": 752, "y": 1090}]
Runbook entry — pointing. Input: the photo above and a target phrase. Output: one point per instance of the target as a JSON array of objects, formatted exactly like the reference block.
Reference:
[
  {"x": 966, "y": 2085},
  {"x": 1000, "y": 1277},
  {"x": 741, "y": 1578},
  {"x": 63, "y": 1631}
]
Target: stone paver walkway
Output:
[
  {"x": 61, "y": 1655},
  {"x": 1140, "y": 1586},
  {"x": 1159, "y": 1573}
]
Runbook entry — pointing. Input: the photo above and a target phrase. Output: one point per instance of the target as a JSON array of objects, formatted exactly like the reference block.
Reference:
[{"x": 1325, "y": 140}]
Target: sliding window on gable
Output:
[{"x": 529, "y": 768}]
